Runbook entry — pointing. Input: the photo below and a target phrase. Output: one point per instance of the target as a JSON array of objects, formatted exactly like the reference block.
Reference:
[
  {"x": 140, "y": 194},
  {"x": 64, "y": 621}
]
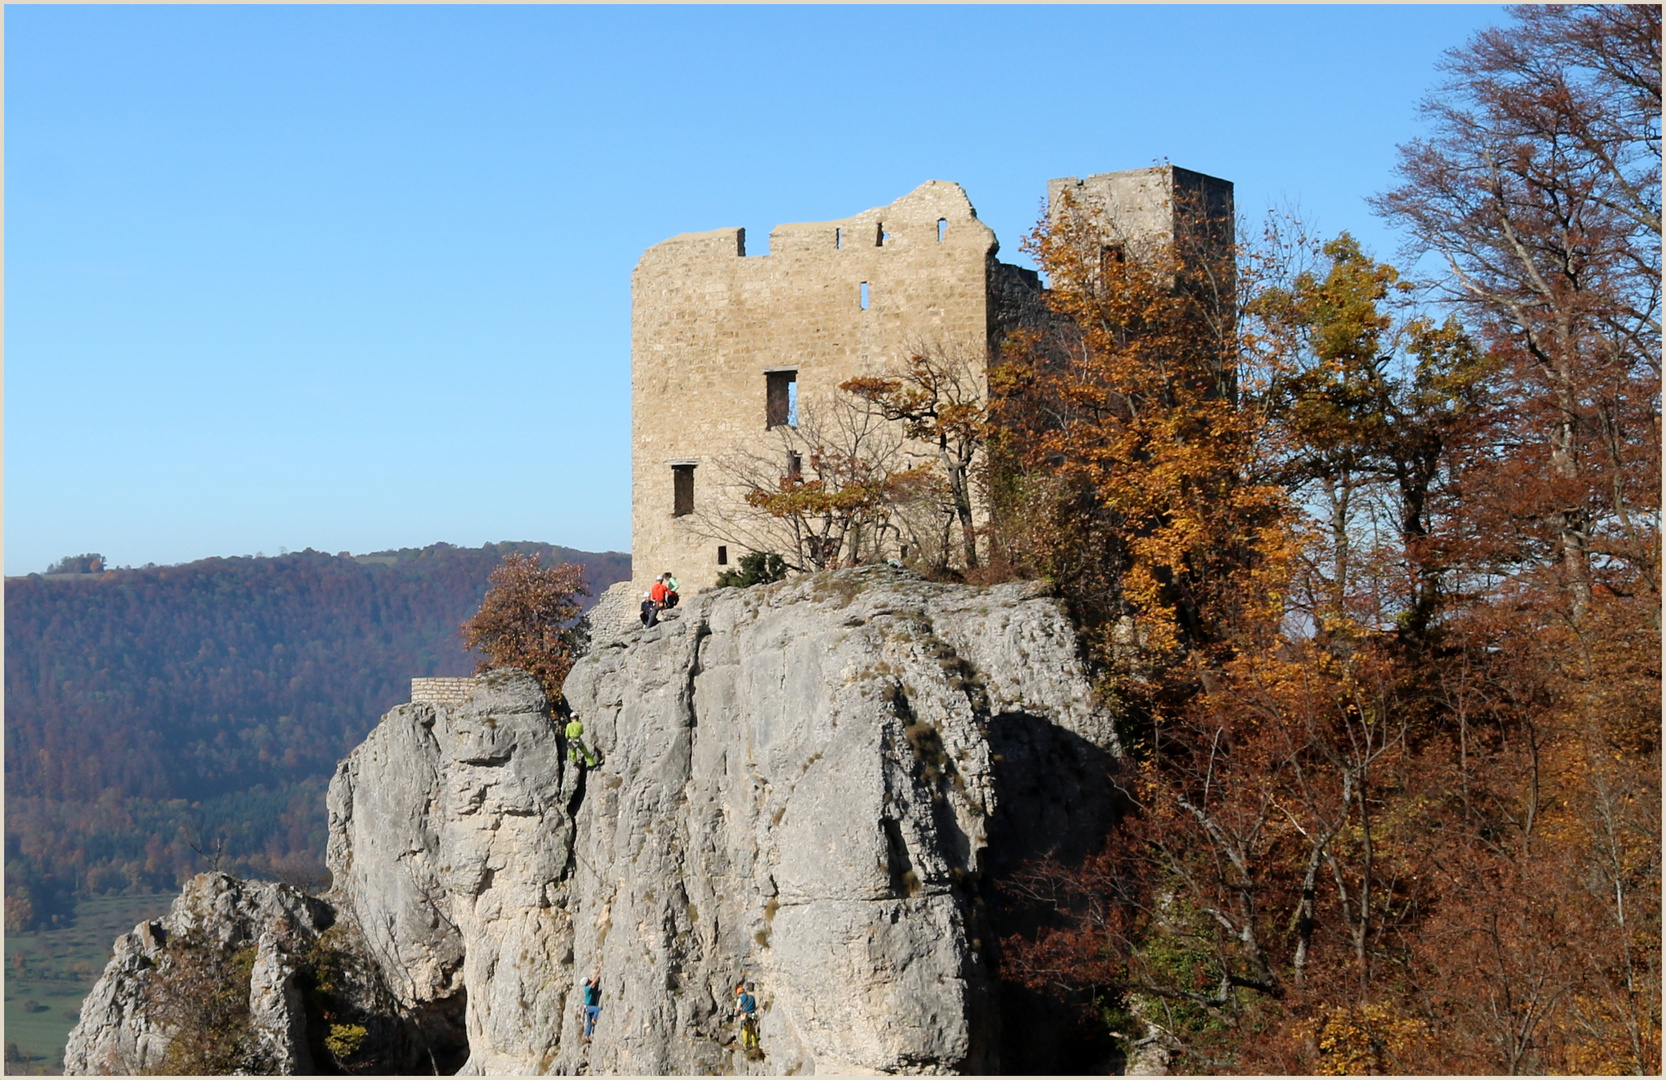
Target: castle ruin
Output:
[{"x": 724, "y": 345}]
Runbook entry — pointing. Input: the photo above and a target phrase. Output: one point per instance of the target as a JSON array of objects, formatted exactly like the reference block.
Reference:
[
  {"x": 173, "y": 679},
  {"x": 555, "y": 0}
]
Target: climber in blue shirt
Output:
[
  {"x": 746, "y": 1008},
  {"x": 592, "y": 1003}
]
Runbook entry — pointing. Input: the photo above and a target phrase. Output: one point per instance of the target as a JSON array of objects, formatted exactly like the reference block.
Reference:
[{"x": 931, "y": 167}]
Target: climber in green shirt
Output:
[{"x": 577, "y": 752}]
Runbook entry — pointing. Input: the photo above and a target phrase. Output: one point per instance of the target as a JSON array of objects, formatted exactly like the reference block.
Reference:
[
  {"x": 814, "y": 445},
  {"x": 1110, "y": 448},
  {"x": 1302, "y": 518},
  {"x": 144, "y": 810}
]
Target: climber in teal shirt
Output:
[
  {"x": 746, "y": 1010},
  {"x": 592, "y": 1003}
]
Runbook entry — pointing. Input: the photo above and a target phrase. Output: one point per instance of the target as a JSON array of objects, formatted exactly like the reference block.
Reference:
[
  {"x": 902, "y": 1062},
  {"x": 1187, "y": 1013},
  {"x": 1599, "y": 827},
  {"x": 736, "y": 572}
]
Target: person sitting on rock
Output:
[
  {"x": 671, "y": 594},
  {"x": 659, "y": 593},
  {"x": 577, "y": 752},
  {"x": 650, "y": 610},
  {"x": 592, "y": 1002},
  {"x": 746, "y": 1010}
]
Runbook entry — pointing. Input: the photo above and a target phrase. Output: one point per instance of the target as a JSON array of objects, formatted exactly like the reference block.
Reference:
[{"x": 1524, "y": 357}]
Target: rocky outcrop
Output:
[
  {"x": 451, "y": 843},
  {"x": 616, "y": 612},
  {"x": 121, "y": 1029},
  {"x": 806, "y": 786}
]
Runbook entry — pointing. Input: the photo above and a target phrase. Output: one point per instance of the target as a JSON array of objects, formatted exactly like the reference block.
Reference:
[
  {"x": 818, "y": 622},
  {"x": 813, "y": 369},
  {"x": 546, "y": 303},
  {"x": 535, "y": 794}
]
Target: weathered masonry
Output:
[{"x": 724, "y": 345}]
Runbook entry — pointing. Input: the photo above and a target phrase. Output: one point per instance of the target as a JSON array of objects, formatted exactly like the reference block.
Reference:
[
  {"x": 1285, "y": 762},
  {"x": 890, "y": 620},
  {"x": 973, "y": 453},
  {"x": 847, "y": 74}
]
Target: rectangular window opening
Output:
[
  {"x": 864, "y": 296},
  {"x": 905, "y": 551},
  {"x": 1111, "y": 255},
  {"x": 795, "y": 465},
  {"x": 879, "y": 235},
  {"x": 942, "y": 227},
  {"x": 839, "y": 239},
  {"x": 722, "y": 555},
  {"x": 682, "y": 494},
  {"x": 780, "y": 399}
]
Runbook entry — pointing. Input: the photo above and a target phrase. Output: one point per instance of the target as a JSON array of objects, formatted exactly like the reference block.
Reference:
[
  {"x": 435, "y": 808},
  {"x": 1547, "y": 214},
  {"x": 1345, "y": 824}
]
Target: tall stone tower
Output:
[
  {"x": 1142, "y": 206},
  {"x": 724, "y": 345}
]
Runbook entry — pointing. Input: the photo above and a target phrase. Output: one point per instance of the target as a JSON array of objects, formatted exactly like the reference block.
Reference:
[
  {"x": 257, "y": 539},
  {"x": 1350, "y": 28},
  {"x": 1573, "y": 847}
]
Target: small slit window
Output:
[
  {"x": 838, "y": 238},
  {"x": 682, "y": 490},
  {"x": 722, "y": 555},
  {"x": 880, "y": 235},
  {"x": 864, "y": 296},
  {"x": 942, "y": 227},
  {"x": 780, "y": 399},
  {"x": 795, "y": 465}
]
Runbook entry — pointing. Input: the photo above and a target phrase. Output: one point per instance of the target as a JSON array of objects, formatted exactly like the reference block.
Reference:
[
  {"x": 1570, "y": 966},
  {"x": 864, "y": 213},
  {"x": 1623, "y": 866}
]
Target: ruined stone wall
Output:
[{"x": 709, "y": 323}]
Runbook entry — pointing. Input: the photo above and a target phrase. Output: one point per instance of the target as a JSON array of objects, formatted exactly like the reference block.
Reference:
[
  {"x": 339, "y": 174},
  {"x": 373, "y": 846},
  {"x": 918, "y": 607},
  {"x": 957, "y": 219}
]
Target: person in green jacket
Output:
[{"x": 577, "y": 752}]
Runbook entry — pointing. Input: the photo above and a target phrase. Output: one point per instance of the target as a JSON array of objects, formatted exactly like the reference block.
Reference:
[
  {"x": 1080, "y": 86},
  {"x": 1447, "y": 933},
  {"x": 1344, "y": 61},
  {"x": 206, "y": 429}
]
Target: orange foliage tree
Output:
[
  {"x": 1128, "y": 463},
  {"x": 834, "y": 493},
  {"x": 1406, "y": 818},
  {"x": 527, "y": 620},
  {"x": 937, "y": 396}
]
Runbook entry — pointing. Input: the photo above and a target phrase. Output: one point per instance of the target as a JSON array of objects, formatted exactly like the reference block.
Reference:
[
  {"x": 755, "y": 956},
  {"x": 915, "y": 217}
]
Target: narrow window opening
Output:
[
  {"x": 905, "y": 551},
  {"x": 879, "y": 235},
  {"x": 781, "y": 398},
  {"x": 942, "y": 227},
  {"x": 839, "y": 239},
  {"x": 795, "y": 465},
  {"x": 722, "y": 555},
  {"x": 682, "y": 495},
  {"x": 1110, "y": 255},
  {"x": 864, "y": 296}
]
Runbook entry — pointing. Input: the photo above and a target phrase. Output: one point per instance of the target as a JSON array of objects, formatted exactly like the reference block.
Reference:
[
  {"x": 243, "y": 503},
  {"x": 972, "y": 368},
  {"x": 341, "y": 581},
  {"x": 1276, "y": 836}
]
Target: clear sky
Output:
[{"x": 354, "y": 278}]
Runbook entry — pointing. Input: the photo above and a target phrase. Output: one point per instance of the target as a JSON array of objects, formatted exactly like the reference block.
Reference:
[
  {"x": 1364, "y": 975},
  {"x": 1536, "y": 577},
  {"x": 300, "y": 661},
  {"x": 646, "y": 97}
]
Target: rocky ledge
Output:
[{"x": 807, "y": 786}]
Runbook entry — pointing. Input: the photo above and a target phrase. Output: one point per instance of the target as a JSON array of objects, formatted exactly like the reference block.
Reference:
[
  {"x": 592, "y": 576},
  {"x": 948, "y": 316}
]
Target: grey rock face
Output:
[
  {"x": 806, "y": 786},
  {"x": 799, "y": 788},
  {"x": 616, "y": 613},
  {"x": 449, "y": 843},
  {"x": 118, "y": 1031}
]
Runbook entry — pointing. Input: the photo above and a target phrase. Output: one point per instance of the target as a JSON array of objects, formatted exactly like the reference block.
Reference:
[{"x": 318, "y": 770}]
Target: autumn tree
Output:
[
  {"x": 528, "y": 620},
  {"x": 199, "y": 997},
  {"x": 828, "y": 496},
  {"x": 1540, "y": 191},
  {"x": 78, "y": 564},
  {"x": 1368, "y": 400},
  {"x": 1125, "y": 440},
  {"x": 937, "y": 396},
  {"x": 1407, "y": 819}
]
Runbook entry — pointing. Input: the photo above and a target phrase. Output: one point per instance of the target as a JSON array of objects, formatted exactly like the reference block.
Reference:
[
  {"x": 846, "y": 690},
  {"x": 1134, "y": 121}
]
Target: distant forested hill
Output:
[{"x": 152, "y": 712}]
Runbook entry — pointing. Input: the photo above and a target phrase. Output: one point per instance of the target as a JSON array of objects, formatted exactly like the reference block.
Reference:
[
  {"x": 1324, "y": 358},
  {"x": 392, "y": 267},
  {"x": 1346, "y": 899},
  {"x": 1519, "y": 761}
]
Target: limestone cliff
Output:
[{"x": 806, "y": 786}]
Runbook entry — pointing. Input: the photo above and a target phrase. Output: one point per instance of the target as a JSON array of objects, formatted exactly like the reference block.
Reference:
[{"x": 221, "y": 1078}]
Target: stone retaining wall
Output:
[{"x": 442, "y": 691}]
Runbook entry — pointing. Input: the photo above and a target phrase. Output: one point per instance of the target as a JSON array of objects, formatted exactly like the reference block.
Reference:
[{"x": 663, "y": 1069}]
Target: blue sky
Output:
[{"x": 354, "y": 278}]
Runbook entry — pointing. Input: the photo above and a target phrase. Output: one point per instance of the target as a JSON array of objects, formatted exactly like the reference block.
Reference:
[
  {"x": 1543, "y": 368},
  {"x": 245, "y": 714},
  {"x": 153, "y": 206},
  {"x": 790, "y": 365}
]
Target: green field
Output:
[{"x": 49, "y": 972}]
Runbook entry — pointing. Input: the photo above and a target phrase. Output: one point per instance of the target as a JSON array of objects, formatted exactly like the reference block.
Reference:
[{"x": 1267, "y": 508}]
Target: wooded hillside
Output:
[{"x": 150, "y": 711}]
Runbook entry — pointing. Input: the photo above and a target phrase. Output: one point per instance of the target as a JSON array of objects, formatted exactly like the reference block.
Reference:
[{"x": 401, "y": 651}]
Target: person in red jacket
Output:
[{"x": 664, "y": 592}]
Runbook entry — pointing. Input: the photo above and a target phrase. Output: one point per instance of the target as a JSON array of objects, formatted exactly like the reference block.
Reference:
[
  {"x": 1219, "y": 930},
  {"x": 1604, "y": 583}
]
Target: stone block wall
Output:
[
  {"x": 1138, "y": 206},
  {"x": 442, "y": 691},
  {"x": 709, "y": 323}
]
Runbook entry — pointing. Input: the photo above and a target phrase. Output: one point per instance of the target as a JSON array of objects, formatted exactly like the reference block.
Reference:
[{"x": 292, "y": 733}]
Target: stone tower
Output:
[{"x": 723, "y": 345}]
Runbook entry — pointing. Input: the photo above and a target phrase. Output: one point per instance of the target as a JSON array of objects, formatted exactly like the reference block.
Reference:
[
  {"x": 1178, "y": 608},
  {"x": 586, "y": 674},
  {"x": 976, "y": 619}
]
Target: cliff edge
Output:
[{"x": 805, "y": 786}]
